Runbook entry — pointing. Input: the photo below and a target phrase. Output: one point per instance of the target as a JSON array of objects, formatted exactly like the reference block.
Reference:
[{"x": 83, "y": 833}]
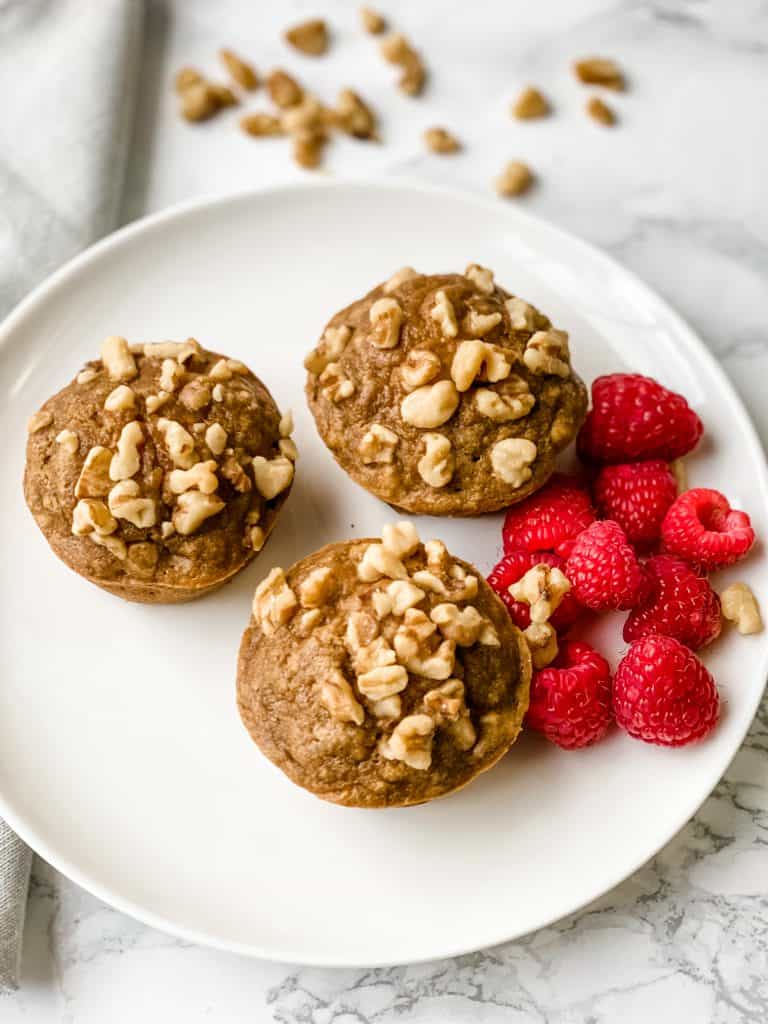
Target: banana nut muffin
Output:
[
  {"x": 159, "y": 471},
  {"x": 381, "y": 674},
  {"x": 444, "y": 395}
]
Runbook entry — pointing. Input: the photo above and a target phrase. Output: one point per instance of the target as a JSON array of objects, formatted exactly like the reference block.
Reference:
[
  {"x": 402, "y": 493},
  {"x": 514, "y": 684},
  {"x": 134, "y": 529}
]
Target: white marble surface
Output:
[{"x": 677, "y": 193}]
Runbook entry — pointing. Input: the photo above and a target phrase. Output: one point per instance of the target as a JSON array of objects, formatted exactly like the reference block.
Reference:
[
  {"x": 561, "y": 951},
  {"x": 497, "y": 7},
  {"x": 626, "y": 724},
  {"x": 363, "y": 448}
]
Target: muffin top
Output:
[
  {"x": 383, "y": 673},
  {"x": 159, "y": 470},
  {"x": 443, "y": 394}
]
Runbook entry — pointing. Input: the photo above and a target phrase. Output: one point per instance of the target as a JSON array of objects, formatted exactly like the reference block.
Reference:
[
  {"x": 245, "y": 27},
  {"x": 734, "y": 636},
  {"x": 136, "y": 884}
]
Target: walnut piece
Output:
[
  {"x": 516, "y": 402},
  {"x": 362, "y": 630},
  {"x": 418, "y": 649},
  {"x": 411, "y": 742},
  {"x": 511, "y": 460},
  {"x": 739, "y": 605},
  {"x": 317, "y": 588},
  {"x": 155, "y": 402},
  {"x": 328, "y": 349},
  {"x": 543, "y": 588},
  {"x": 256, "y": 538},
  {"x": 87, "y": 375},
  {"x": 354, "y": 116},
  {"x": 378, "y": 445},
  {"x": 259, "y": 124},
  {"x": 396, "y": 49},
  {"x": 94, "y": 480},
  {"x": 241, "y": 71},
  {"x": 274, "y": 603},
  {"x": 125, "y": 463},
  {"x": 335, "y": 386},
  {"x": 386, "y": 316},
  {"x": 440, "y": 140},
  {"x": 125, "y": 503},
  {"x": 522, "y": 315},
  {"x": 437, "y": 464},
  {"x": 306, "y": 116},
  {"x": 285, "y": 426},
  {"x": 420, "y": 367},
  {"x": 599, "y": 71},
  {"x": 479, "y": 324},
  {"x": 181, "y": 351},
  {"x": 68, "y": 441},
  {"x": 400, "y": 538},
  {"x": 381, "y": 682},
  {"x": 542, "y": 643},
  {"x": 443, "y": 312},
  {"x": 338, "y": 698},
  {"x": 39, "y": 420},
  {"x": 284, "y": 91},
  {"x": 310, "y": 37},
  {"x": 121, "y": 399},
  {"x": 402, "y": 595},
  {"x": 216, "y": 438},
  {"x": 515, "y": 178},
  {"x": 193, "y": 508},
  {"x": 400, "y": 277},
  {"x": 599, "y": 111},
  {"x": 481, "y": 278},
  {"x": 530, "y": 104},
  {"x": 201, "y": 477},
  {"x": 288, "y": 448},
  {"x": 91, "y": 516},
  {"x": 431, "y": 405},
  {"x": 547, "y": 352},
  {"x": 180, "y": 443},
  {"x": 171, "y": 375},
  {"x": 117, "y": 359},
  {"x": 272, "y": 476},
  {"x": 446, "y": 702},
  {"x": 378, "y": 561},
  {"x": 477, "y": 358},
  {"x": 372, "y": 21},
  {"x": 464, "y": 626}
]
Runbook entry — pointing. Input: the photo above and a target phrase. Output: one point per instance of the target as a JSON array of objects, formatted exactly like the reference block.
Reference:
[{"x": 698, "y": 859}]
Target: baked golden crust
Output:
[
  {"x": 444, "y": 395},
  {"x": 140, "y": 471},
  {"x": 307, "y": 686}
]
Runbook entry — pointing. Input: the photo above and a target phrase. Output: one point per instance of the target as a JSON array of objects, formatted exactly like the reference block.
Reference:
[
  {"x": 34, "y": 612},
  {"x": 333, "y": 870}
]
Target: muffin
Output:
[
  {"x": 159, "y": 471},
  {"x": 382, "y": 674},
  {"x": 443, "y": 394}
]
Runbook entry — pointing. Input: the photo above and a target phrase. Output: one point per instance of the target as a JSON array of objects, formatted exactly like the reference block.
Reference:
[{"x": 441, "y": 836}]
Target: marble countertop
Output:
[{"x": 677, "y": 193}]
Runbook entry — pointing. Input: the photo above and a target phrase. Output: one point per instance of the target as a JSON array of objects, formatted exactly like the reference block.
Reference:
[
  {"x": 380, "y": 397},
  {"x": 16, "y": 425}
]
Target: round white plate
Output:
[{"x": 122, "y": 758}]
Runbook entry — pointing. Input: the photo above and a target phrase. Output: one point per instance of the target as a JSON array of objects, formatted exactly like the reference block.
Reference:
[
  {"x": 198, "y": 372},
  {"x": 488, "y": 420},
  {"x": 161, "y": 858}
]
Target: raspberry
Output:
[
  {"x": 549, "y": 518},
  {"x": 636, "y": 495},
  {"x": 603, "y": 568},
  {"x": 634, "y": 417},
  {"x": 513, "y": 567},
  {"x": 663, "y": 694},
  {"x": 701, "y": 527},
  {"x": 680, "y": 603},
  {"x": 571, "y": 699}
]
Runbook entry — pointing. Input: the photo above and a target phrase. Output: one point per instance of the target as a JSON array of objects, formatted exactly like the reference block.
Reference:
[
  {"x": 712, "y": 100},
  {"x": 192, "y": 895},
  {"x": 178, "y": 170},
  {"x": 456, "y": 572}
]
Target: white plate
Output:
[{"x": 122, "y": 758}]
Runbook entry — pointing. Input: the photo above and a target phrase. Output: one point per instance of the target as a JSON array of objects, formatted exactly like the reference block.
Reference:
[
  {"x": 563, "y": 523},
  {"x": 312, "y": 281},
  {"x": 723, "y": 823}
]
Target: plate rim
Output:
[{"x": 656, "y": 302}]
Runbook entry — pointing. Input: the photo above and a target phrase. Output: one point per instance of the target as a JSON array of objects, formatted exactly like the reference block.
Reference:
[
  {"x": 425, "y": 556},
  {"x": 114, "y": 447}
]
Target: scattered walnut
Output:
[
  {"x": 511, "y": 460},
  {"x": 126, "y": 462},
  {"x": 479, "y": 324},
  {"x": 39, "y": 421},
  {"x": 420, "y": 367},
  {"x": 180, "y": 443},
  {"x": 542, "y": 643},
  {"x": 378, "y": 561},
  {"x": 464, "y": 626},
  {"x": 216, "y": 438},
  {"x": 68, "y": 441},
  {"x": 288, "y": 448},
  {"x": 547, "y": 352},
  {"x": 308, "y": 148},
  {"x": 87, "y": 375},
  {"x": 437, "y": 464},
  {"x": 386, "y": 316},
  {"x": 440, "y": 140},
  {"x": 317, "y": 588},
  {"x": 117, "y": 359},
  {"x": 201, "y": 477},
  {"x": 410, "y": 742},
  {"x": 382, "y": 682},
  {"x": 599, "y": 71},
  {"x": 530, "y": 104},
  {"x": 260, "y": 124},
  {"x": 306, "y": 116},
  {"x": 121, "y": 399},
  {"x": 481, "y": 278},
  {"x": 328, "y": 350},
  {"x": 443, "y": 312},
  {"x": 171, "y": 375},
  {"x": 400, "y": 538},
  {"x": 186, "y": 77},
  {"x": 181, "y": 351},
  {"x": 372, "y": 21},
  {"x": 477, "y": 358},
  {"x": 740, "y": 606},
  {"x": 516, "y": 402},
  {"x": 336, "y": 387},
  {"x": 125, "y": 503},
  {"x": 515, "y": 179},
  {"x": 377, "y": 445},
  {"x": 680, "y": 473},
  {"x": 599, "y": 110},
  {"x": 274, "y": 603},
  {"x": 193, "y": 508},
  {"x": 94, "y": 480},
  {"x": 310, "y": 37},
  {"x": 431, "y": 405},
  {"x": 272, "y": 476},
  {"x": 92, "y": 516},
  {"x": 414, "y": 645},
  {"x": 198, "y": 102},
  {"x": 155, "y": 402},
  {"x": 284, "y": 91},
  {"x": 396, "y": 49},
  {"x": 522, "y": 316},
  {"x": 285, "y": 427},
  {"x": 222, "y": 95},
  {"x": 354, "y": 116},
  {"x": 402, "y": 595},
  {"x": 543, "y": 587},
  {"x": 413, "y": 77},
  {"x": 400, "y": 277},
  {"x": 337, "y": 697},
  {"x": 241, "y": 71}
]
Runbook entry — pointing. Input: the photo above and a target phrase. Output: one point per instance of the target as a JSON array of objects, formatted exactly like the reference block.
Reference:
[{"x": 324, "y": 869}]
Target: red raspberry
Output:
[
  {"x": 513, "y": 567},
  {"x": 702, "y": 527},
  {"x": 548, "y": 518},
  {"x": 680, "y": 603},
  {"x": 634, "y": 417},
  {"x": 571, "y": 699},
  {"x": 603, "y": 568},
  {"x": 636, "y": 495},
  {"x": 663, "y": 694}
]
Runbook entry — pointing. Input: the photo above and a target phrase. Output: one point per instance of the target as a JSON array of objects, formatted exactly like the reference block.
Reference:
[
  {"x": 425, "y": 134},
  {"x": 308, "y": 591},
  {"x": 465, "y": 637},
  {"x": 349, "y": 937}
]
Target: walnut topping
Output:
[
  {"x": 193, "y": 508},
  {"x": 599, "y": 111},
  {"x": 125, "y": 503},
  {"x": 171, "y": 375},
  {"x": 431, "y": 405},
  {"x": 219, "y": 371},
  {"x": 378, "y": 561},
  {"x": 361, "y": 631},
  {"x": 310, "y": 37},
  {"x": 115, "y": 545},
  {"x": 437, "y": 464},
  {"x": 354, "y": 116},
  {"x": 309, "y": 620},
  {"x": 378, "y": 444},
  {"x": 516, "y": 402},
  {"x": 68, "y": 441},
  {"x": 444, "y": 314},
  {"x": 155, "y": 402},
  {"x": 479, "y": 324},
  {"x": 260, "y": 124},
  {"x": 216, "y": 438},
  {"x": 317, "y": 588},
  {"x": 740, "y": 606},
  {"x": 446, "y": 702},
  {"x": 336, "y": 387},
  {"x": 117, "y": 358},
  {"x": 87, "y": 375},
  {"x": 481, "y": 278},
  {"x": 542, "y": 643},
  {"x": 400, "y": 277},
  {"x": 372, "y": 21},
  {"x": 94, "y": 480},
  {"x": 120, "y": 400},
  {"x": 241, "y": 71},
  {"x": 530, "y": 104},
  {"x": 465, "y": 626},
  {"x": 522, "y": 315},
  {"x": 400, "y": 538},
  {"x": 410, "y": 742},
  {"x": 284, "y": 91},
  {"x": 201, "y": 477},
  {"x": 337, "y": 697},
  {"x": 414, "y": 644},
  {"x": 126, "y": 462},
  {"x": 599, "y": 71},
  {"x": 217, "y": 394},
  {"x": 420, "y": 367},
  {"x": 288, "y": 448},
  {"x": 515, "y": 179},
  {"x": 386, "y": 316},
  {"x": 330, "y": 347},
  {"x": 388, "y": 708},
  {"x": 430, "y": 581},
  {"x": 511, "y": 460},
  {"x": 92, "y": 516},
  {"x": 547, "y": 352},
  {"x": 167, "y": 529},
  {"x": 382, "y": 603},
  {"x": 543, "y": 587},
  {"x": 181, "y": 351},
  {"x": 402, "y": 595},
  {"x": 385, "y": 681},
  {"x": 477, "y": 358},
  {"x": 285, "y": 427},
  {"x": 437, "y": 555},
  {"x": 256, "y": 538},
  {"x": 272, "y": 476},
  {"x": 440, "y": 140},
  {"x": 274, "y": 603},
  {"x": 39, "y": 421},
  {"x": 180, "y": 443}
]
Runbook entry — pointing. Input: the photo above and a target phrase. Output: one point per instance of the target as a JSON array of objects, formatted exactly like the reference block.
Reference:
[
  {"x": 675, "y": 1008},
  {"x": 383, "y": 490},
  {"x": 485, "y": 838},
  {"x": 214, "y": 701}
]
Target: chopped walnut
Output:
[
  {"x": 115, "y": 545},
  {"x": 126, "y": 462},
  {"x": 354, "y": 116},
  {"x": 386, "y": 316},
  {"x": 274, "y": 603},
  {"x": 94, "y": 480},
  {"x": 328, "y": 350},
  {"x": 481, "y": 278},
  {"x": 288, "y": 448},
  {"x": 479, "y": 324},
  {"x": 410, "y": 742},
  {"x": 396, "y": 49},
  {"x": 87, "y": 375},
  {"x": 199, "y": 101},
  {"x": 378, "y": 445},
  {"x": 338, "y": 698},
  {"x": 193, "y": 508},
  {"x": 117, "y": 359},
  {"x": 515, "y": 179},
  {"x": 219, "y": 371},
  {"x": 400, "y": 277},
  {"x": 402, "y": 595},
  {"x": 201, "y": 477},
  {"x": 382, "y": 603},
  {"x": 378, "y": 561},
  {"x": 440, "y": 140},
  {"x": 39, "y": 421},
  {"x": 548, "y": 352},
  {"x": 413, "y": 77},
  {"x": 272, "y": 476},
  {"x": 259, "y": 124},
  {"x": 420, "y": 367},
  {"x": 306, "y": 116},
  {"x": 241, "y": 71},
  {"x": 181, "y": 351},
  {"x": 285, "y": 427},
  {"x": 464, "y": 626},
  {"x": 430, "y": 581},
  {"x": 155, "y": 402},
  {"x": 362, "y": 630},
  {"x": 444, "y": 314},
  {"x": 68, "y": 441},
  {"x": 167, "y": 529},
  {"x": 522, "y": 315},
  {"x": 388, "y": 708},
  {"x": 414, "y": 643},
  {"x": 284, "y": 91},
  {"x": 515, "y": 403},
  {"x": 336, "y": 387},
  {"x": 92, "y": 516},
  {"x": 400, "y": 538},
  {"x": 446, "y": 702},
  {"x": 217, "y": 393},
  {"x": 512, "y": 458},
  {"x": 543, "y": 587},
  {"x": 180, "y": 443},
  {"x": 431, "y": 405},
  {"x": 216, "y": 438},
  {"x": 530, "y": 104},
  {"x": 121, "y": 399},
  {"x": 385, "y": 681},
  {"x": 372, "y": 21},
  {"x": 185, "y": 77},
  {"x": 477, "y": 358},
  {"x": 437, "y": 464},
  {"x": 256, "y": 538},
  {"x": 599, "y": 71},
  {"x": 740, "y": 606},
  {"x": 125, "y": 503},
  {"x": 542, "y": 643},
  {"x": 317, "y": 588},
  {"x": 310, "y": 37},
  {"x": 599, "y": 111},
  {"x": 437, "y": 555},
  {"x": 309, "y": 620}
]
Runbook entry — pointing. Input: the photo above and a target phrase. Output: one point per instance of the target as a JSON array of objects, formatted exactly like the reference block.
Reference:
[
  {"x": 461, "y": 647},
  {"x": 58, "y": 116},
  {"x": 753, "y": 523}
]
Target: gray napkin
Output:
[{"x": 69, "y": 73}]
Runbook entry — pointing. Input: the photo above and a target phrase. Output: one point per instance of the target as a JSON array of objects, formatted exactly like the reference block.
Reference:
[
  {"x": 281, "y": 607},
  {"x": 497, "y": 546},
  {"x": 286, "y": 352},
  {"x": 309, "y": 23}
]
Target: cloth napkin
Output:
[{"x": 69, "y": 74}]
